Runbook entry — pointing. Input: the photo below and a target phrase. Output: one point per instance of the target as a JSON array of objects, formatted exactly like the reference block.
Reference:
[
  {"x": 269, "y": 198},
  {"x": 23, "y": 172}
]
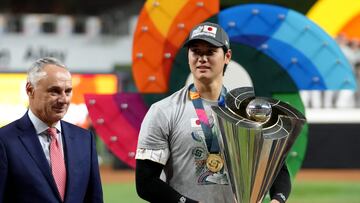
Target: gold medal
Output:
[{"x": 214, "y": 162}]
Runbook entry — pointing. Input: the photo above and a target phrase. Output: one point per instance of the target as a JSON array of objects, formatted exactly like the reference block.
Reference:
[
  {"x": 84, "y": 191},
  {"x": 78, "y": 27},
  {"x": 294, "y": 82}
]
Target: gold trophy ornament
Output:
[{"x": 256, "y": 134}]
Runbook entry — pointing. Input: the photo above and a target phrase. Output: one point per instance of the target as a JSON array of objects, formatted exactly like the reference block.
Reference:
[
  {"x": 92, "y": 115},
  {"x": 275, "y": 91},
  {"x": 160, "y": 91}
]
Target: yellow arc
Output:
[
  {"x": 332, "y": 15},
  {"x": 163, "y": 12}
]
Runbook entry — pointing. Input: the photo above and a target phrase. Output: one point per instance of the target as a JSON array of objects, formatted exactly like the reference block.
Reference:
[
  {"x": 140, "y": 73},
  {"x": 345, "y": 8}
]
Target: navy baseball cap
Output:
[{"x": 209, "y": 32}]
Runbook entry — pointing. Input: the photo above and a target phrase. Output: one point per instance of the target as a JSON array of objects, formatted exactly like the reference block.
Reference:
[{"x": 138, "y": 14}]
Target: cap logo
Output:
[{"x": 204, "y": 30}]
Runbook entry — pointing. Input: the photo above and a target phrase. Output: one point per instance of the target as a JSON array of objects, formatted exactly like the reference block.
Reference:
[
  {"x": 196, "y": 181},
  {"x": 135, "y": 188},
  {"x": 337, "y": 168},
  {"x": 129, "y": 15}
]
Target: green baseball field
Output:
[{"x": 320, "y": 186}]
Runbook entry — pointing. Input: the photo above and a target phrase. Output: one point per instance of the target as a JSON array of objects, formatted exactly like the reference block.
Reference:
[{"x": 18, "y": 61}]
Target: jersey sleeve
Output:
[{"x": 153, "y": 143}]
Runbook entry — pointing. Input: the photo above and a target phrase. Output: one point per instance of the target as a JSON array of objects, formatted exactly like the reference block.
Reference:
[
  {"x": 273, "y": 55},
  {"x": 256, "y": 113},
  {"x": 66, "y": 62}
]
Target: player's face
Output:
[
  {"x": 207, "y": 61},
  {"x": 50, "y": 97}
]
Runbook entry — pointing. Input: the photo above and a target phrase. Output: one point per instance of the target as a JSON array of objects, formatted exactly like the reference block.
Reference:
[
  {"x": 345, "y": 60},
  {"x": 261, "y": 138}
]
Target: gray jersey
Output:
[{"x": 171, "y": 134}]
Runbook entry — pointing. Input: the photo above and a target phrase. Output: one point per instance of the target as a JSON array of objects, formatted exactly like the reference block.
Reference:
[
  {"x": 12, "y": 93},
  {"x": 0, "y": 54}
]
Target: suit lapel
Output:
[
  {"x": 32, "y": 144},
  {"x": 70, "y": 155}
]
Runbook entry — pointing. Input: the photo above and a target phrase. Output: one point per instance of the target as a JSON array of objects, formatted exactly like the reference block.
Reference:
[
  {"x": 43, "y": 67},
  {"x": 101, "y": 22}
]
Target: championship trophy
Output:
[{"x": 256, "y": 134}]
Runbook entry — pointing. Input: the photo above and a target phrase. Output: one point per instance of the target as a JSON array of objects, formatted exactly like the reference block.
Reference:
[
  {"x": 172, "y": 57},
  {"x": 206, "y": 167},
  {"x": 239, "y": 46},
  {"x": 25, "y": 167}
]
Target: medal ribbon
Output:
[{"x": 211, "y": 140}]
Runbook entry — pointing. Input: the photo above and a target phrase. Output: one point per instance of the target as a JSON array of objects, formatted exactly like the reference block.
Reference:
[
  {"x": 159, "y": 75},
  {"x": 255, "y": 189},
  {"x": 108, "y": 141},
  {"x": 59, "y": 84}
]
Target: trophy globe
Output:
[{"x": 259, "y": 110}]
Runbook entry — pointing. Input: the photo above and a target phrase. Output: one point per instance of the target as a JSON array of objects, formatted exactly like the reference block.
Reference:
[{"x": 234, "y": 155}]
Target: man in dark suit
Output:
[{"x": 42, "y": 158}]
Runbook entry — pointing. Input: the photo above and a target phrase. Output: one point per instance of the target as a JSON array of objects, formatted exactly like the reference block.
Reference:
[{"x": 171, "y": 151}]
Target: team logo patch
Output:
[
  {"x": 195, "y": 123},
  {"x": 199, "y": 153},
  {"x": 204, "y": 30},
  {"x": 196, "y": 136},
  {"x": 210, "y": 29}
]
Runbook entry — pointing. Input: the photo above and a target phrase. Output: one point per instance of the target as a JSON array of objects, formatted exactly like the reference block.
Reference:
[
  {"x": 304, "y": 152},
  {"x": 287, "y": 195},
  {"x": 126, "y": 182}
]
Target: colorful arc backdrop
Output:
[{"x": 259, "y": 34}]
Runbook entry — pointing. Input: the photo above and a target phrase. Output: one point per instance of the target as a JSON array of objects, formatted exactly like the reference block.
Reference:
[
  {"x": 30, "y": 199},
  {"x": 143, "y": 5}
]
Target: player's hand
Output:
[{"x": 274, "y": 201}]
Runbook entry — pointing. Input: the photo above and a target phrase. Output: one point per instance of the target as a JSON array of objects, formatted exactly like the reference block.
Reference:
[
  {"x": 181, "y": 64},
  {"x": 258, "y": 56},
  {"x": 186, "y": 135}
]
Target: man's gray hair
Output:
[{"x": 36, "y": 72}]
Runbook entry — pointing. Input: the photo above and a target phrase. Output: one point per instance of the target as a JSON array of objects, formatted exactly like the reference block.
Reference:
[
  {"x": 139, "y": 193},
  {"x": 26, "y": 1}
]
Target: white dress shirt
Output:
[{"x": 44, "y": 138}]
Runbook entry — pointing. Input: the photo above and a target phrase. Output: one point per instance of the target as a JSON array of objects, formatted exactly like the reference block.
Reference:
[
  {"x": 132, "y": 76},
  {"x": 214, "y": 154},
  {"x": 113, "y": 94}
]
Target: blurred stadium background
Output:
[{"x": 95, "y": 37}]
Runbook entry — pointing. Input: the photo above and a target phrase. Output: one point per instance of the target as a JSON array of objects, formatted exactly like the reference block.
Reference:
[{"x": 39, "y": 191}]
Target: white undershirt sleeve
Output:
[{"x": 157, "y": 155}]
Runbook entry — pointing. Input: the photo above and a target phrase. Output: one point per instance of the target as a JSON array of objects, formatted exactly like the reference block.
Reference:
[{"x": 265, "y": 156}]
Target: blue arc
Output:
[
  {"x": 301, "y": 70},
  {"x": 287, "y": 36}
]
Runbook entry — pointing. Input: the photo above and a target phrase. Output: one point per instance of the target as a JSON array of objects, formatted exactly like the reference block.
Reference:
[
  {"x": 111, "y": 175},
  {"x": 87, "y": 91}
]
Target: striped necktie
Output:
[{"x": 57, "y": 162}]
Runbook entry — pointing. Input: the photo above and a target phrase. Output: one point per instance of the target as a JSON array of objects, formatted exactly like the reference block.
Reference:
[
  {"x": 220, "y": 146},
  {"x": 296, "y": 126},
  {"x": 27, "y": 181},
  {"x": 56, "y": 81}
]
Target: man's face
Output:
[
  {"x": 207, "y": 61},
  {"x": 50, "y": 98}
]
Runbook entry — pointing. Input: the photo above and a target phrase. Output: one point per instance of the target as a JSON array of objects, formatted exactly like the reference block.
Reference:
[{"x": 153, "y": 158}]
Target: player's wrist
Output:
[{"x": 280, "y": 197}]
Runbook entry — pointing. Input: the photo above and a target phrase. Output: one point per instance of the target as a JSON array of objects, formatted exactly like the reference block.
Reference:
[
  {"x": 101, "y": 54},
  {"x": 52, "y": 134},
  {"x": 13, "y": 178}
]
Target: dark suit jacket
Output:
[{"x": 25, "y": 174}]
